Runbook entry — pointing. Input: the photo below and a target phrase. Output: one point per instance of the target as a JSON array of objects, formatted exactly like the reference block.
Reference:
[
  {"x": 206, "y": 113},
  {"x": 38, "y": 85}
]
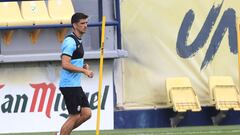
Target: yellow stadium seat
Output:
[
  {"x": 224, "y": 93},
  {"x": 61, "y": 10},
  {"x": 36, "y": 11},
  {"x": 11, "y": 15},
  {"x": 181, "y": 94}
]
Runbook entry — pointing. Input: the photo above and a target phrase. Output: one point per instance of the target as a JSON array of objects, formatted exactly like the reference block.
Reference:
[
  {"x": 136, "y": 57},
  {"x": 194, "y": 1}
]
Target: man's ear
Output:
[{"x": 74, "y": 26}]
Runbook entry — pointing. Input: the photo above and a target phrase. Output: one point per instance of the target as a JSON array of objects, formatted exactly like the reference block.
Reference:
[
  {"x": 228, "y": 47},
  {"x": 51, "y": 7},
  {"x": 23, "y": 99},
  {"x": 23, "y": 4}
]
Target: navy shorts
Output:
[{"x": 74, "y": 98}]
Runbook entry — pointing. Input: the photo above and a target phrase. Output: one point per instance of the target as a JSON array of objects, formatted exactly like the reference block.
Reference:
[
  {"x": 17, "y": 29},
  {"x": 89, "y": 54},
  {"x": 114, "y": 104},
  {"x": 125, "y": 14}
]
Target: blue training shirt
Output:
[{"x": 68, "y": 78}]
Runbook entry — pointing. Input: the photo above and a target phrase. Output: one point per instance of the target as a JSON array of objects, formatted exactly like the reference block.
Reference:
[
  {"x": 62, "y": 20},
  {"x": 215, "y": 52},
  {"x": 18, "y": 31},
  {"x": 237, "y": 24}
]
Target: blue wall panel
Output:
[{"x": 160, "y": 118}]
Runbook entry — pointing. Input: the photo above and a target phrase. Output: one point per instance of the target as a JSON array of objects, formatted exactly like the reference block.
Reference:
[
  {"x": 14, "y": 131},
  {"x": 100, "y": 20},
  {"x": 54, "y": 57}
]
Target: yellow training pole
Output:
[
  {"x": 100, "y": 75},
  {"x": 238, "y": 46}
]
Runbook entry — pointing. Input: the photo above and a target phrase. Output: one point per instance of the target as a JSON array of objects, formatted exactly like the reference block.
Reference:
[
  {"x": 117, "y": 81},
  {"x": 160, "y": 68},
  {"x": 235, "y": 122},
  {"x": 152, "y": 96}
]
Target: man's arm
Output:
[{"x": 66, "y": 64}]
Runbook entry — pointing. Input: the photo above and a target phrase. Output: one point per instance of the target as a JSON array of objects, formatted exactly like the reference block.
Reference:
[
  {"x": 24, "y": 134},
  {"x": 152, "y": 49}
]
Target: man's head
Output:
[{"x": 79, "y": 22}]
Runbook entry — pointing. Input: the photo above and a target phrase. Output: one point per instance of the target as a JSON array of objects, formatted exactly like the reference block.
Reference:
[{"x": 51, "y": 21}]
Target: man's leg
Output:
[
  {"x": 68, "y": 126},
  {"x": 75, "y": 121},
  {"x": 84, "y": 116}
]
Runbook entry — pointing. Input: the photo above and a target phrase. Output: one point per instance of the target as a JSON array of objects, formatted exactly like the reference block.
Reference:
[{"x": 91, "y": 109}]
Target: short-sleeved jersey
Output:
[{"x": 72, "y": 47}]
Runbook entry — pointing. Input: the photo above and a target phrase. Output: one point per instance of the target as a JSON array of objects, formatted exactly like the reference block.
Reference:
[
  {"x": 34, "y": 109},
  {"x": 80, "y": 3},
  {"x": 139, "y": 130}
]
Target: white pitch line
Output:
[{"x": 192, "y": 133}]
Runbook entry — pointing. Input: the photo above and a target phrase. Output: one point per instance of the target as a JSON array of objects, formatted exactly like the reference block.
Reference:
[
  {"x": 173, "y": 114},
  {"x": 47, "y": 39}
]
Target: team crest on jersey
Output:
[{"x": 79, "y": 108}]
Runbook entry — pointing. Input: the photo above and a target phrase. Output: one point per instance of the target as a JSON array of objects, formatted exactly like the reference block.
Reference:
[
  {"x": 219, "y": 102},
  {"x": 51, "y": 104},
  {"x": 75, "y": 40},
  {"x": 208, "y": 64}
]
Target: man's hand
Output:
[{"x": 88, "y": 73}]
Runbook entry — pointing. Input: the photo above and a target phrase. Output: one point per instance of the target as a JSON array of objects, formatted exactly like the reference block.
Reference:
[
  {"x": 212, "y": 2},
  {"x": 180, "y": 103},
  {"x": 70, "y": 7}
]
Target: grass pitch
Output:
[{"x": 204, "y": 130}]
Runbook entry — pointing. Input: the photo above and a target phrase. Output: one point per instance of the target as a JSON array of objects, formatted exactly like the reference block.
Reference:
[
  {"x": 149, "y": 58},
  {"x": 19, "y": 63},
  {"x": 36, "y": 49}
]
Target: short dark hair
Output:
[{"x": 77, "y": 16}]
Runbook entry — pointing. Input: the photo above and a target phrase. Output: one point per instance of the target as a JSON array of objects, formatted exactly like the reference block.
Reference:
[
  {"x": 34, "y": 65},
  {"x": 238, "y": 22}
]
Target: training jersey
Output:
[{"x": 72, "y": 47}]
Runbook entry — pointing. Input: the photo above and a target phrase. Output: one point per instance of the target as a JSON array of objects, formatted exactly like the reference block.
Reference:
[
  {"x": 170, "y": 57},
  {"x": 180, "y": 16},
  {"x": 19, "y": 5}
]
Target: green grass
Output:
[{"x": 204, "y": 130}]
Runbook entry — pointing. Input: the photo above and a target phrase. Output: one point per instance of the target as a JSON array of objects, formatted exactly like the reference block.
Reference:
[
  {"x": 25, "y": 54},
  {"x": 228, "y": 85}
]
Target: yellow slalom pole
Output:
[
  {"x": 100, "y": 74},
  {"x": 238, "y": 46}
]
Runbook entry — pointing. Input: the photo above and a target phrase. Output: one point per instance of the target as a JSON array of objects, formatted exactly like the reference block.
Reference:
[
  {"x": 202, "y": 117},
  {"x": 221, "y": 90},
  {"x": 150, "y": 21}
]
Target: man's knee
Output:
[{"x": 86, "y": 114}]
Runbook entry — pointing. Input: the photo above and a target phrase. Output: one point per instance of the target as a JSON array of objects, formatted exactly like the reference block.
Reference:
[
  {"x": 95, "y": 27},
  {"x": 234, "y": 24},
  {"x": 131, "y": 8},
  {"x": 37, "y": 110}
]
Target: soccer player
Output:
[{"x": 73, "y": 68}]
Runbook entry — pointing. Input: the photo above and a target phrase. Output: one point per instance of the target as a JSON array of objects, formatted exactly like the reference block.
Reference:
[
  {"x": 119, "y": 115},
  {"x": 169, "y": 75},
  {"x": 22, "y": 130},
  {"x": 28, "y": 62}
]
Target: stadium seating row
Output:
[
  {"x": 223, "y": 94},
  {"x": 34, "y": 13}
]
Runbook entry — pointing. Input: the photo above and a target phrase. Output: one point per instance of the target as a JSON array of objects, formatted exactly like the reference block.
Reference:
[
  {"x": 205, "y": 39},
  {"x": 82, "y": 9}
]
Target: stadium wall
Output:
[
  {"x": 158, "y": 118},
  {"x": 194, "y": 39}
]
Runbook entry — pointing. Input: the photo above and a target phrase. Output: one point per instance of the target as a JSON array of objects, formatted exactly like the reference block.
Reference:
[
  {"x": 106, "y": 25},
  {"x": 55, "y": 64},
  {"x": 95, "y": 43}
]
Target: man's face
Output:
[{"x": 81, "y": 26}]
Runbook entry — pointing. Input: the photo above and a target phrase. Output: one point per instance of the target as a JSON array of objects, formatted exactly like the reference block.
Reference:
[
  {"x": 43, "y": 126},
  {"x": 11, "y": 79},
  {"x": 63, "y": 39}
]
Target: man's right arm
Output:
[{"x": 66, "y": 64}]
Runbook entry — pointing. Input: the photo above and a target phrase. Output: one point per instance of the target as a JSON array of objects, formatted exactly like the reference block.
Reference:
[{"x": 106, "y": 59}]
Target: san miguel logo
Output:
[
  {"x": 44, "y": 87},
  {"x": 45, "y": 98}
]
